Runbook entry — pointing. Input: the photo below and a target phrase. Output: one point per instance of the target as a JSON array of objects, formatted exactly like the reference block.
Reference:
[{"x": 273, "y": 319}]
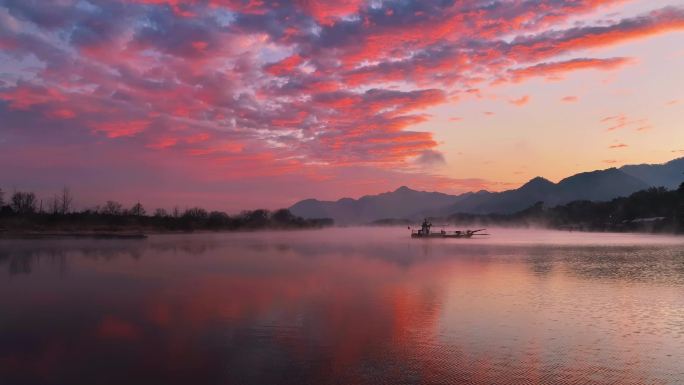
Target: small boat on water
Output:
[{"x": 425, "y": 232}]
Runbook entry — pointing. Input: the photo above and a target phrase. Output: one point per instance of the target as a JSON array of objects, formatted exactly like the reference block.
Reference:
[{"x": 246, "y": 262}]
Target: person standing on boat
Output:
[{"x": 425, "y": 228}]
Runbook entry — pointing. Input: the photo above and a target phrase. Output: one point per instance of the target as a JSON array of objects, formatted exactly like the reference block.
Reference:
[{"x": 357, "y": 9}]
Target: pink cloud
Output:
[
  {"x": 62, "y": 113},
  {"x": 555, "y": 70},
  {"x": 119, "y": 129},
  {"x": 163, "y": 143},
  {"x": 284, "y": 66},
  {"x": 216, "y": 148},
  {"x": 328, "y": 12},
  {"x": 25, "y": 95},
  {"x": 554, "y": 43}
]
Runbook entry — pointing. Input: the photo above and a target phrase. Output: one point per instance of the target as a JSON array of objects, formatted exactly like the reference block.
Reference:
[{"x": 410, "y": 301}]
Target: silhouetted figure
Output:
[{"x": 425, "y": 227}]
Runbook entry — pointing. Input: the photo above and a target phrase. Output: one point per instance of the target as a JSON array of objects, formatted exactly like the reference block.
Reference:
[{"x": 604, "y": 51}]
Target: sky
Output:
[{"x": 238, "y": 104}]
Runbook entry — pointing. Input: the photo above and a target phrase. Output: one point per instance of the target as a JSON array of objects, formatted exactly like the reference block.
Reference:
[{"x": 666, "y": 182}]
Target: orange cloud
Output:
[
  {"x": 617, "y": 122},
  {"x": 521, "y": 101},
  {"x": 570, "y": 99},
  {"x": 619, "y": 145}
]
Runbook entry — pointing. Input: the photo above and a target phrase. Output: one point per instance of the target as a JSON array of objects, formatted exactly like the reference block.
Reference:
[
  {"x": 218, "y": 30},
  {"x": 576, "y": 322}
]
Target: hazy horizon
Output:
[{"x": 80, "y": 205}]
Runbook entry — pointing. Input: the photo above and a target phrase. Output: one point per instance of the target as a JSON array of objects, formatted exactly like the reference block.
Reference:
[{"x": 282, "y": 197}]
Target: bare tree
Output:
[
  {"x": 160, "y": 213},
  {"x": 23, "y": 202},
  {"x": 195, "y": 213},
  {"x": 112, "y": 208},
  {"x": 66, "y": 201},
  {"x": 53, "y": 205},
  {"x": 2, "y": 198},
  {"x": 137, "y": 210}
]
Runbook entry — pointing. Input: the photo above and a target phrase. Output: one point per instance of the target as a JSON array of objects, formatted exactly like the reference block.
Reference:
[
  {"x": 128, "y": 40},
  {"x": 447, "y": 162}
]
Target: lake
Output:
[{"x": 344, "y": 306}]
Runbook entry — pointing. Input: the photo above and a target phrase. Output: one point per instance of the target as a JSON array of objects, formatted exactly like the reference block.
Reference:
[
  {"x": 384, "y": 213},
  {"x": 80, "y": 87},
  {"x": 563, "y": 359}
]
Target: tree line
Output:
[
  {"x": 22, "y": 211},
  {"x": 26, "y": 203}
]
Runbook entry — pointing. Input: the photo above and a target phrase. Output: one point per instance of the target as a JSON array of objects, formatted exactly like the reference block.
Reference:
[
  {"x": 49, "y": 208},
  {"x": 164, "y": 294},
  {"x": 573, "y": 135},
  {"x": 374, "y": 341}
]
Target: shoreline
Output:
[
  {"x": 130, "y": 234},
  {"x": 72, "y": 234},
  {"x": 144, "y": 234}
]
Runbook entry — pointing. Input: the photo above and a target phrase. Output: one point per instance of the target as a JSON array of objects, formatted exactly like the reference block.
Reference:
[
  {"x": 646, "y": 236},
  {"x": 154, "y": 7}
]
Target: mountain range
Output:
[{"x": 405, "y": 203}]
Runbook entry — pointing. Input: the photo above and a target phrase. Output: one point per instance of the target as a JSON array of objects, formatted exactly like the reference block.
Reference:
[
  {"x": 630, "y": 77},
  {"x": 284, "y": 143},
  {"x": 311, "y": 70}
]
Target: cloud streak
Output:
[
  {"x": 521, "y": 101},
  {"x": 555, "y": 70}
]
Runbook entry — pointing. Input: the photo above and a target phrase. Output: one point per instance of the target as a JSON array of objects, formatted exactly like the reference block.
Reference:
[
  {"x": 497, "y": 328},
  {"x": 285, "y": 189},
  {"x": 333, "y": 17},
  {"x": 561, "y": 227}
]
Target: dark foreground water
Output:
[{"x": 343, "y": 306}]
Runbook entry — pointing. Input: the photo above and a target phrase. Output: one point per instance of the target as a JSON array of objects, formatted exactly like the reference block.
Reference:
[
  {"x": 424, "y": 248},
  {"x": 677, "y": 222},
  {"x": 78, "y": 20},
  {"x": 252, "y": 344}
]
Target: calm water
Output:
[{"x": 344, "y": 306}]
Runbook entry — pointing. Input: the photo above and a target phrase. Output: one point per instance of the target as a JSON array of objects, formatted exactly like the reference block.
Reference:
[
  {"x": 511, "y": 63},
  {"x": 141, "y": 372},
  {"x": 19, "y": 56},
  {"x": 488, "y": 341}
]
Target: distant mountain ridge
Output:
[
  {"x": 599, "y": 185},
  {"x": 668, "y": 175},
  {"x": 400, "y": 203}
]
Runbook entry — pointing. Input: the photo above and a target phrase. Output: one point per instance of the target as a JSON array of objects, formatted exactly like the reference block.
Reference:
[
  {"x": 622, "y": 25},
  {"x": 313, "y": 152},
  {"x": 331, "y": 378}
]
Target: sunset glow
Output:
[{"x": 234, "y": 104}]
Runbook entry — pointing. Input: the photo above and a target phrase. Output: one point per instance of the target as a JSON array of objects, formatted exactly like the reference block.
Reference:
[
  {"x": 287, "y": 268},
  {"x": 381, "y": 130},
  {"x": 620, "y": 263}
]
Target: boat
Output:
[{"x": 424, "y": 232}]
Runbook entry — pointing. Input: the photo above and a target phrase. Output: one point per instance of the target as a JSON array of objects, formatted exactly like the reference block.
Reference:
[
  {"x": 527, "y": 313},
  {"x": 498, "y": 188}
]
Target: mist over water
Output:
[{"x": 344, "y": 306}]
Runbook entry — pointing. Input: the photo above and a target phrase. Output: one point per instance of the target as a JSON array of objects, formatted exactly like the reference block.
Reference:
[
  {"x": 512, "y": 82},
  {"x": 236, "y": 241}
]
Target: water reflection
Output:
[{"x": 319, "y": 308}]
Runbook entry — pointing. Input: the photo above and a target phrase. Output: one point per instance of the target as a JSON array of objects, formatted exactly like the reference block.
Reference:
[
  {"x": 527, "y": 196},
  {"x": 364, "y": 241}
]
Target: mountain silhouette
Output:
[
  {"x": 667, "y": 175},
  {"x": 599, "y": 185},
  {"x": 594, "y": 186},
  {"x": 400, "y": 203}
]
